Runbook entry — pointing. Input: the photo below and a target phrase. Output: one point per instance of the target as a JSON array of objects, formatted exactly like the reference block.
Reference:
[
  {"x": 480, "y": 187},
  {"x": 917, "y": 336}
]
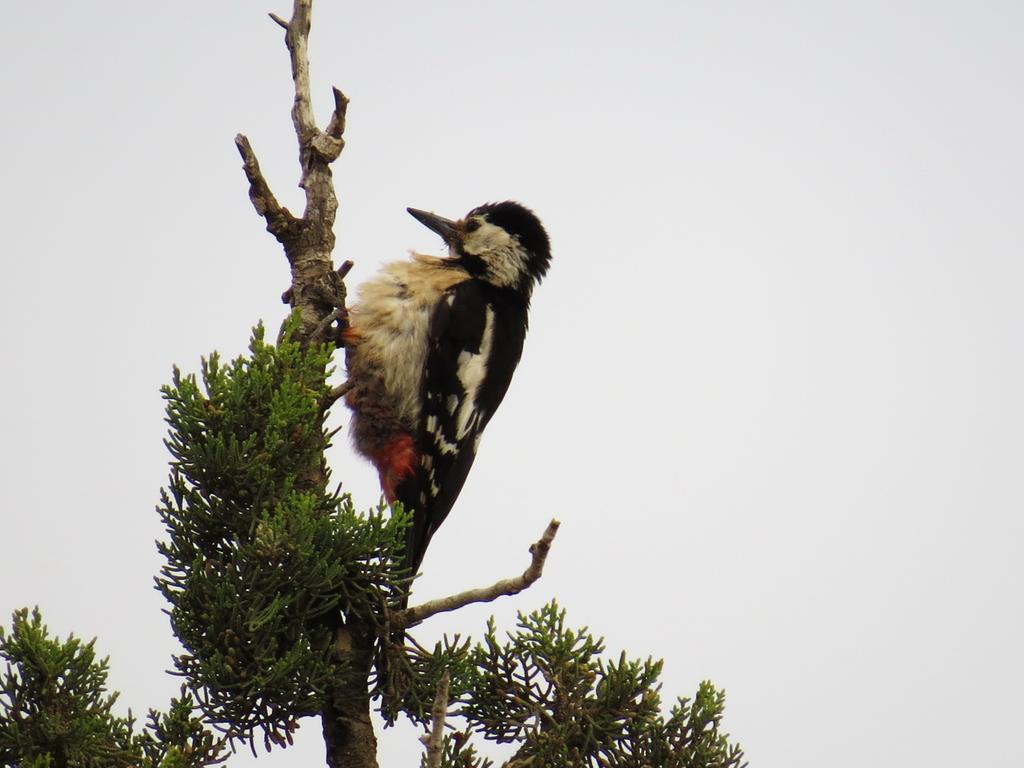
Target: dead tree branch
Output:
[
  {"x": 316, "y": 290},
  {"x": 279, "y": 219},
  {"x": 434, "y": 742},
  {"x": 512, "y": 586},
  {"x": 335, "y": 395},
  {"x": 317, "y": 293}
]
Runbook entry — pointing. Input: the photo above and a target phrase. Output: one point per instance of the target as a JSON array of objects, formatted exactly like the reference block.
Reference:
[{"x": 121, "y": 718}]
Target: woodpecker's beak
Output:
[{"x": 446, "y": 228}]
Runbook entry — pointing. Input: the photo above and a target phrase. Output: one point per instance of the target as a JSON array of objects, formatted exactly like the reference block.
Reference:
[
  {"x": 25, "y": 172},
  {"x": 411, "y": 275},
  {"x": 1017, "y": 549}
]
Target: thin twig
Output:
[
  {"x": 435, "y": 741},
  {"x": 335, "y": 395},
  {"x": 321, "y": 330},
  {"x": 317, "y": 149},
  {"x": 279, "y": 21},
  {"x": 539, "y": 551},
  {"x": 297, "y": 40}
]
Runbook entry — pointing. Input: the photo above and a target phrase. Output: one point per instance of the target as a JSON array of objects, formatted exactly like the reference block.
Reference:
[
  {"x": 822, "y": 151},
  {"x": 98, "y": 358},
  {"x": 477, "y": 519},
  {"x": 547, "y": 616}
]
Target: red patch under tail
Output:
[{"x": 396, "y": 461}]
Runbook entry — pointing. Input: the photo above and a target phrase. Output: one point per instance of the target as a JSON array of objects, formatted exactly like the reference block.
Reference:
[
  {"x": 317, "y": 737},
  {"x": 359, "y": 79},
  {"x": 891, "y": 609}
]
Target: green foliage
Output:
[
  {"x": 457, "y": 752},
  {"x": 548, "y": 689},
  {"x": 263, "y": 561},
  {"x": 52, "y": 705},
  {"x": 407, "y": 676},
  {"x": 263, "y": 564},
  {"x": 54, "y": 710},
  {"x": 178, "y": 739}
]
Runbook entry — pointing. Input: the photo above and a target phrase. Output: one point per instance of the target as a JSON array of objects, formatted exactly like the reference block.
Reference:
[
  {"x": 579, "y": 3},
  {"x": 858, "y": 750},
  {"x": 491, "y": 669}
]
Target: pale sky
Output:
[{"x": 773, "y": 385}]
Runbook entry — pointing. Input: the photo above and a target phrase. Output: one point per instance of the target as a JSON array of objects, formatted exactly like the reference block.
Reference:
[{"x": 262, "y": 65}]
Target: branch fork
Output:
[
  {"x": 317, "y": 295},
  {"x": 316, "y": 290}
]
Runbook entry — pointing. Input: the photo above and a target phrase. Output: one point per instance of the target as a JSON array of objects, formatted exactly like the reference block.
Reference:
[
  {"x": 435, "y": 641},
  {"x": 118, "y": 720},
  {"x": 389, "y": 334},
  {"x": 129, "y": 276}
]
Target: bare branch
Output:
[
  {"x": 320, "y": 332},
  {"x": 345, "y": 268},
  {"x": 435, "y": 741},
  {"x": 539, "y": 550},
  {"x": 336, "y": 127},
  {"x": 279, "y": 219},
  {"x": 316, "y": 294},
  {"x": 335, "y": 395},
  {"x": 328, "y": 145},
  {"x": 297, "y": 40}
]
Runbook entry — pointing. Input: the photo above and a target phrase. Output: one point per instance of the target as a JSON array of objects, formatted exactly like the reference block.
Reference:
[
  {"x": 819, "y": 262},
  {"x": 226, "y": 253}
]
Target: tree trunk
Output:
[{"x": 348, "y": 730}]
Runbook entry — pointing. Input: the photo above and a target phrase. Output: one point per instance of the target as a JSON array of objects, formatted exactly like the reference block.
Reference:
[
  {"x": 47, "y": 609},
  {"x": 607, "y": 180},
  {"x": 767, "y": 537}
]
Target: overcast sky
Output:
[{"x": 773, "y": 385}]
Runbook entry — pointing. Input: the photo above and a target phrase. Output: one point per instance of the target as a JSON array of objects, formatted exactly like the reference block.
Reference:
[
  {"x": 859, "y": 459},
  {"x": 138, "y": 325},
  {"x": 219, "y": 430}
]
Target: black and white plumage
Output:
[{"x": 431, "y": 349}]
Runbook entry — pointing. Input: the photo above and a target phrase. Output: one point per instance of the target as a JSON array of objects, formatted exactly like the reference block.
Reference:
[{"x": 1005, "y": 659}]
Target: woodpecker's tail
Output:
[
  {"x": 416, "y": 539},
  {"x": 429, "y": 509},
  {"x": 417, "y": 535}
]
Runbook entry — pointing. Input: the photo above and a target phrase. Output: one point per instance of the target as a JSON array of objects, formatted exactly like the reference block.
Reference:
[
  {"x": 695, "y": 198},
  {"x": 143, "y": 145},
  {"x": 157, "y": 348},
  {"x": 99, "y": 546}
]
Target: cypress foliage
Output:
[
  {"x": 263, "y": 563},
  {"x": 548, "y": 690},
  {"x": 55, "y": 710}
]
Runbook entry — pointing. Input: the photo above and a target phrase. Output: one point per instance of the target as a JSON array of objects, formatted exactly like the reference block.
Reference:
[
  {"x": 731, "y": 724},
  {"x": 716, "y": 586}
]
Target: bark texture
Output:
[
  {"x": 317, "y": 292},
  {"x": 348, "y": 730}
]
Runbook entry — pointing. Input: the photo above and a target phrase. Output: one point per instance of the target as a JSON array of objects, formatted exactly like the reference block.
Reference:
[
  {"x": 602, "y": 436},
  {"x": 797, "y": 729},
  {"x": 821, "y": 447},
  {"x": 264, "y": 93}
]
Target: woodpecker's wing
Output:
[{"x": 475, "y": 341}]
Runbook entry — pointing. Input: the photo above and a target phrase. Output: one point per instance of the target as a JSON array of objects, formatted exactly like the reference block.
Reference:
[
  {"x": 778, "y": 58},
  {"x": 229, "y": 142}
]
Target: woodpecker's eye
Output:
[{"x": 472, "y": 225}]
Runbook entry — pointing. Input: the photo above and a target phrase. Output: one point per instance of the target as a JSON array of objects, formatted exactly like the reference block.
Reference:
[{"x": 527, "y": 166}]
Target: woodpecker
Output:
[{"x": 431, "y": 346}]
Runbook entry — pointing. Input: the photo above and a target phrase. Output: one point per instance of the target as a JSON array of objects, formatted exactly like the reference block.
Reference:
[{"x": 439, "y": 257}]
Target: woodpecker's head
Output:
[{"x": 502, "y": 243}]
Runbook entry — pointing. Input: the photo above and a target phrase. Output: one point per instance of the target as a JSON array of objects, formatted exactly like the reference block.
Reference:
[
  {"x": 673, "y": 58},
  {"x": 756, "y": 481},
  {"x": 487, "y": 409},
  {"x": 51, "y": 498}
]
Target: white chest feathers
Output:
[{"x": 390, "y": 320}]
